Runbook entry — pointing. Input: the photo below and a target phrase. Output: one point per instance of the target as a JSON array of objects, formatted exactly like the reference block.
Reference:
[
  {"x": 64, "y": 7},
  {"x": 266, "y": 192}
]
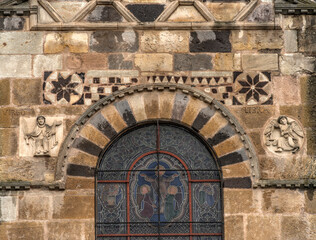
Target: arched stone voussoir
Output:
[{"x": 106, "y": 119}]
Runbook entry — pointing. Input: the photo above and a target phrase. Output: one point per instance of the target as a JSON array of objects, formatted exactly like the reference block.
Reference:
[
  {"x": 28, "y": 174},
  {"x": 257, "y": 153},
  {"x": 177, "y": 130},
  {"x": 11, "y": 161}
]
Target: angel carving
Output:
[
  {"x": 284, "y": 135},
  {"x": 43, "y": 136}
]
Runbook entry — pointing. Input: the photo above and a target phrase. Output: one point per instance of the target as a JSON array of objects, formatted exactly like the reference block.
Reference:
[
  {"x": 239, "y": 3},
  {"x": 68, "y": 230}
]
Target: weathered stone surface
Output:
[
  {"x": 66, "y": 207},
  {"x": 186, "y": 14},
  {"x": 92, "y": 134},
  {"x": 283, "y": 201},
  {"x": 166, "y": 103},
  {"x": 104, "y": 13},
  {"x": 256, "y": 39},
  {"x": 296, "y": 63},
  {"x": 151, "y": 105},
  {"x": 79, "y": 183},
  {"x": 58, "y": 42},
  {"x": 287, "y": 90},
  {"x": 146, "y": 12},
  {"x": 294, "y": 228},
  {"x": 89, "y": 230},
  {"x": 8, "y": 142},
  {"x": 234, "y": 227},
  {"x": 154, "y": 62},
  {"x": 312, "y": 220},
  {"x": 3, "y": 231},
  {"x": 8, "y": 207},
  {"x": 5, "y": 92},
  {"x": 9, "y": 117},
  {"x": 192, "y": 110},
  {"x": 33, "y": 207},
  {"x": 137, "y": 105},
  {"x": 210, "y": 41},
  {"x": 213, "y": 125},
  {"x": 228, "y": 146},
  {"x": 46, "y": 63},
  {"x": 112, "y": 115},
  {"x": 189, "y": 62},
  {"x": 15, "y": 66},
  {"x": 290, "y": 41},
  {"x": 117, "y": 61},
  {"x": 68, "y": 9},
  {"x": 310, "y": 201},
  {"x": 26, "y": 91},
  {"x": 263, "y": 62},
  {"x": 263, "y": 13},
  {"x": 11, "y": 23},
  {"x": 21, "y": 43},
  {"x": 225, "y": 11},
  {"x": 118, "y": 41},
  {"x": 87, "y": 61},
  {"x": 307, "y": 41},
  {"x": 164, "y": 41},
  {"x": 25, "y": 230},
  {"x": 64, "y": 230},
  {"x": 261, "y": 227},
  {"x": 255, "y": 137},
  {"x": 236, "y": 170},
  {"x": 225, "y": 62},
  {"x": 239, "y": 201}
]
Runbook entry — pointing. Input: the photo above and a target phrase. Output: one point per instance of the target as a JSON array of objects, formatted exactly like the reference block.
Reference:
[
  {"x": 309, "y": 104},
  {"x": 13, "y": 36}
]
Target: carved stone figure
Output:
[
  {"x": 43, "y": 136},
  {"x": 283, "y": 134}
]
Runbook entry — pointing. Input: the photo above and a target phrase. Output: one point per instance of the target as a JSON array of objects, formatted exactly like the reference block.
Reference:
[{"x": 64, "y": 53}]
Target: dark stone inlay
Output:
[
  {"x": 244, "y": 182},
  {"x": 80, "y": 170},
  {"x": 179, "y": 106},
  {"x": 103, "y": 13},
  {"x": 47, "y": 74},
  {"x": 87, "y": 146},
  {"x": 190, "y": 62},
  {"x": 114, "y": 41},
  {"x": 103, "y": 125},
  {"x": 146, "y": 12},
  {"x": 12, "y": 23},
  {"x": 234, "y": 157},
  {"x": 116, "y": 61},
  {"x": 202, "y": 118},
  {"x": 126, "y": 112},
  {"x": 210, "y": 41},
  {"x": 223, "y": 134}
]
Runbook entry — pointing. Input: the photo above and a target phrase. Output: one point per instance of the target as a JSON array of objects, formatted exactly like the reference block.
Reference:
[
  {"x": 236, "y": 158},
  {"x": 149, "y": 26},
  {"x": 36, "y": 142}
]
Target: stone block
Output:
[
  {"x": 21, "y": 43},
  {"x": 12, "y": 23},
  {"x": 87, "y": 61},
  {"x": 32, "y": 207},
  {"x": 114, "y": 41},
  {"x": 73, "y": 207},
  {"x": 26, "y": 91},
  {"x": 256, "y": 39},
  {"x": 310, "y": 201},
  {"x": 58, "y": 42},
  {"x": 3, "y": 231},
  {"x": 137, "y": 105},
  {"x": 312, "y": 221},
  {"x": 8, "y": 142},
  {"x": 89, "y": 230},
  {"x": 9, "y": 117},
  {"x": 287, "y": 90},
  {"x": 189, "y": 62},
  {"x": 213, "y": 125},
  {"x": 239, "y": 201},
  {"x": 261, "y": 227},
  {"x": 4, "y": 92},
  {"x": 151, "y": 105},
  {"x": 104, "y": 13},
  {"x": 255, "y": 137},
  {"x": 234, "y": 227},
  {"x": 307, "y": 41},
  {"x": 283, "y": 201},
  {"x": 236, "y": 170},
  {"x": 229, "y": 145},
  {"x": 154, "y": 62},
  {"x": 46, "y": 63},
  {"x": 117, "y": 61},
  {"x": 297, "y": 63},
  {"x": 79, "y": 183},
  {"x": 146, "y": 12},
  {"x": 290, "y": 41},
  {"x": 94, "y": 135},
  {"x": 210, "y": 41},
  {"x": 81, "y": 158},
  {"x": 225, "y": 11},
  {"x": 294, "y": 228},
  {"x": 261, "y": 62},
  {"x": 64, "y": 230},
  {"x": 8, "y": 209},
  {"x": 263, "y": 13},
  {"x": 25, "y": 230},
  {"x": 164, "y": 41},
  {"x": 15, "y": 66},
  {"x": 224, "y": 62},
  {"x": 186, "y": 14}
]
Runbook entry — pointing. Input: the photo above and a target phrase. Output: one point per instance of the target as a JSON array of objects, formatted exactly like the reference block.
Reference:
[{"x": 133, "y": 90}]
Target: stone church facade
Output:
[{"x": 157, "y": 119}]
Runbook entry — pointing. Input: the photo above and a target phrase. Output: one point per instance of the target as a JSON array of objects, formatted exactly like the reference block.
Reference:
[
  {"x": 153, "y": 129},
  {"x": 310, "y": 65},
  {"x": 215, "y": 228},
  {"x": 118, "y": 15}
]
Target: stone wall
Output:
[{"x": 259, "y": 66}]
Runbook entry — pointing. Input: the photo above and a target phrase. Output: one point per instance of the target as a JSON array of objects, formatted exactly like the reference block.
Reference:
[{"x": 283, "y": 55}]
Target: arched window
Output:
[{"x": 158, "y": 181}]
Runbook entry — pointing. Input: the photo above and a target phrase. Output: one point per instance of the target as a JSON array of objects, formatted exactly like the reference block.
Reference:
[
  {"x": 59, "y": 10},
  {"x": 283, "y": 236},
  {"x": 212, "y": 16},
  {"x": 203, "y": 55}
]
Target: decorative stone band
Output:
[{"x": 110, "y": 116}]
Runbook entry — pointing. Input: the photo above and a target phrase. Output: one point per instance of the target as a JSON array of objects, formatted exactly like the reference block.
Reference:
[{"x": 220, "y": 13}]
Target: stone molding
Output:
[{"x": 295, "y": 7}]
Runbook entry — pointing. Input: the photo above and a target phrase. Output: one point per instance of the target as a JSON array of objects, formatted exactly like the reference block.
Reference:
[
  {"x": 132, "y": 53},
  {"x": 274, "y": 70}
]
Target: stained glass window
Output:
[{"x": 158, "y": 181}]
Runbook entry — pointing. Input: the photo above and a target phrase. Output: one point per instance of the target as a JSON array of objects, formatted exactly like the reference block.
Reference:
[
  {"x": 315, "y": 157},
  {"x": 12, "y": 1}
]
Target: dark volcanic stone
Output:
[
  {"x": 189, "y": 62},
  {"x": 116, "y": 61},
  {"x": 146, "y": 12},
  {"x": 237, "y": 182},
  {"x": 119, "y": 41},
  {"x": 202, "y": 118},
  {"x": 126, "y": 112},
  {"x": 210, "y": 41},
  {"x": 79, "y": 170},
  {"x": 263, "y": 13},
  {"x": 12, "y": 23},
  {"x": 104, "y": 14}
]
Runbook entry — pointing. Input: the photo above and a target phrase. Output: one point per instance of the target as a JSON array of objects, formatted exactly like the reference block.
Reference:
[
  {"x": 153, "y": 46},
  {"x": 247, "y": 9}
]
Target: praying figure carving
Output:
[
  {"x": 43, "y": 136},
  {"x": 283, "y": 135}
]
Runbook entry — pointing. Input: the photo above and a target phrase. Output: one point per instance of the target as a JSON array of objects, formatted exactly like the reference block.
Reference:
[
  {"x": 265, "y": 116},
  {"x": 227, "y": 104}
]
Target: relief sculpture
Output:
[{"x": 284, "y": 135}]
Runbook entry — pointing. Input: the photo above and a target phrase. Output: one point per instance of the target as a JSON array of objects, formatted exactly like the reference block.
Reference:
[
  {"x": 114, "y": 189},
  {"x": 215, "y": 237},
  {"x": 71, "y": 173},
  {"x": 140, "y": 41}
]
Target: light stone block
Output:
[
  {"x": 19, "y": 66},
  {"x": 21, "y": 43},
  {"x": 290, "y": 41},
  {"x": 261, "y": 62},
  {"x": 46, "y": 63},
  {"x": 297, "y": 63},
  {"x": 154, "y": 62},
  {"x": 8, "y": 209}
]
